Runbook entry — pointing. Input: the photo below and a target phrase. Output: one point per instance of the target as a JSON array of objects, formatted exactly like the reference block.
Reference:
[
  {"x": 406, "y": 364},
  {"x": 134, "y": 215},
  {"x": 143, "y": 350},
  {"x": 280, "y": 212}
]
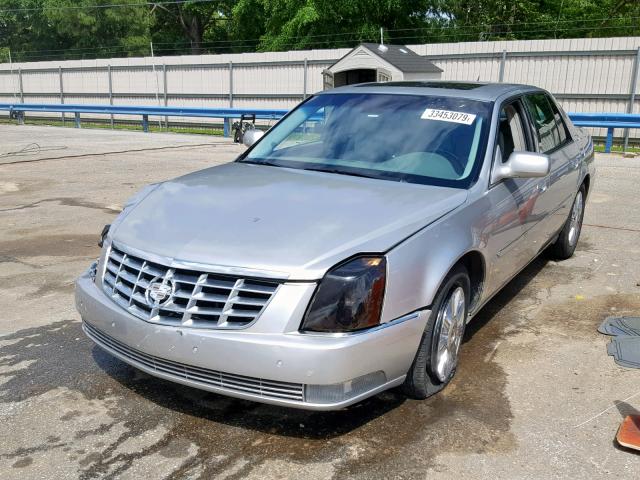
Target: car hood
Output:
[{"x": 282, "y": 222}]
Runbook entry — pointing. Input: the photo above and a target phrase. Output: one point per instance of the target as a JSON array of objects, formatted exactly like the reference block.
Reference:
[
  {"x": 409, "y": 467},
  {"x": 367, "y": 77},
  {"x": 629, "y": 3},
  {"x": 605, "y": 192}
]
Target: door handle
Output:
[
  {"x": 542, "y": 186},
  {"x": 578, "y": 159}
]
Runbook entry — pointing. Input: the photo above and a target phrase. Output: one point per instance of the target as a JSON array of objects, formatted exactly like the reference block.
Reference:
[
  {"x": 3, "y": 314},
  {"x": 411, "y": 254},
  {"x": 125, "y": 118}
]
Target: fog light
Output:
[{"x": 340, "y": 392}]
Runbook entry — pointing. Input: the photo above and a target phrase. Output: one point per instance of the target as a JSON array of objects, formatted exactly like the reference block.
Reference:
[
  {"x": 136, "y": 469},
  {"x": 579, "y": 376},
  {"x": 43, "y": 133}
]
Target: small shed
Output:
[{"x": 370, "y": 62}]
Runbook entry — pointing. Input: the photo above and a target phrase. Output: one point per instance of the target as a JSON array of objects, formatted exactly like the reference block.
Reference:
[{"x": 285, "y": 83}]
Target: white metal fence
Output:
[{"x": 586, "y": 75}]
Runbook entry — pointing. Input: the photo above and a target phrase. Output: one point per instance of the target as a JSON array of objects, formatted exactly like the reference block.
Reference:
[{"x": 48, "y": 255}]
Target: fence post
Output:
[
  {"x": 145, "y": 123},
  {"x": 632, "y": 95},
  {"x": 110, "y": 91},
  {"x": 503, "y": 60},
  {"x": 77, "y": 119},
  {"x": 21, "y": 92},
  {"x": 230, "y": 84},
  {"x": 166, "y": 93},
  {"x": 61, "y": 92},
  {"x": 304, "y": 81},
  {"x": 20, "y": 85}
]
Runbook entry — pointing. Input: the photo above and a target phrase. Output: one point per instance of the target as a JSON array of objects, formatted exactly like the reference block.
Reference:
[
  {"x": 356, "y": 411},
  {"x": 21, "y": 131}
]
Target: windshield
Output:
[{"x": 418, "y": 139}]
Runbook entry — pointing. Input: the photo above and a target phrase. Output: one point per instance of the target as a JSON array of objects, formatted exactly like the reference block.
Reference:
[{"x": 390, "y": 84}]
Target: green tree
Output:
[
  {"x": 292, "y": 24},
  {"x": 191, "y": 26},
  {"x": 62, "y": 29},
  {"x": 47, "y": 29}
]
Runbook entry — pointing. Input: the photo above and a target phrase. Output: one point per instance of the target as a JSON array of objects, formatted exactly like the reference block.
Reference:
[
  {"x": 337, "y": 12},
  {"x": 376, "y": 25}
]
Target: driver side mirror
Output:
[{"x": 521, "y": 165}]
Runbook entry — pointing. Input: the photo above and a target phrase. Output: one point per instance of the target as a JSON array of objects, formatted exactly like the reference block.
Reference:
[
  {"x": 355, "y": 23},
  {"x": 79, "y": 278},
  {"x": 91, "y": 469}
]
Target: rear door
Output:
[{"x": 554, "y": 139}]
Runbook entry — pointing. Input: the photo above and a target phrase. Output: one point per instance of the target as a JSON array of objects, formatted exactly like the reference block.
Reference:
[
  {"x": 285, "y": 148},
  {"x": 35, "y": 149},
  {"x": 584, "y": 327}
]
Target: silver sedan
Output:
[{"x": 345, "y": 251}]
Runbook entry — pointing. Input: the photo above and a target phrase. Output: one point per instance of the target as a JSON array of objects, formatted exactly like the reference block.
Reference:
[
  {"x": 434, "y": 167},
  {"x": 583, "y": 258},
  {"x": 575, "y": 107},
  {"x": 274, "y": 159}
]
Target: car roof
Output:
[{"x": 487, "y": 92}]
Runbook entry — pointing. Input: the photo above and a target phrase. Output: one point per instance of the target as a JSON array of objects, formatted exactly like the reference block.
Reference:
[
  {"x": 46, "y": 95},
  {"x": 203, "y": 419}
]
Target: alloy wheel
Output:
[
  {"x": 576, "y": 219},
  {"x": 451, "y": 320}
]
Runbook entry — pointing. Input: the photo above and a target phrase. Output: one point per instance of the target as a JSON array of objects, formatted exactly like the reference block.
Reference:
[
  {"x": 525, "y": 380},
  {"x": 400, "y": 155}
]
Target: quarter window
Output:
[
  {"x": 548, "y": 123},
  {"x": 563, "y": 130}
]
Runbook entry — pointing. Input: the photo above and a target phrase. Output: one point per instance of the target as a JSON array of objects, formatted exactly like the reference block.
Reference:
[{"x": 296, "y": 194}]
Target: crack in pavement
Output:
[{"x": 67, "y": 201}]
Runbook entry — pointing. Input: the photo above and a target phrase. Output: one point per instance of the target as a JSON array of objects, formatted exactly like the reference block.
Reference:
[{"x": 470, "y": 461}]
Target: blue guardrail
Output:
[
  {"x": 226, "y": 114},
  {"x": 610, "y": 121}
]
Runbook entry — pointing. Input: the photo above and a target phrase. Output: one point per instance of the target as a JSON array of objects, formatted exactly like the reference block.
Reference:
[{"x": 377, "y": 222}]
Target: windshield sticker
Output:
[{"x": 448, "y": 116}]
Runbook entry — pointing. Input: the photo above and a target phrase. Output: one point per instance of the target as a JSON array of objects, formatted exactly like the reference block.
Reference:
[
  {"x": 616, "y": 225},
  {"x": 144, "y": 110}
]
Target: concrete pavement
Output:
[{"x": 535, "y": 396}]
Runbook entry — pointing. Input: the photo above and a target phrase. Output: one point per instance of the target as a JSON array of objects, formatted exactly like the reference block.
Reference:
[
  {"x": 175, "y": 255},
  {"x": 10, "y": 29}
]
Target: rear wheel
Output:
[
  {"x": 567, "y": 241},
  {"x": 437, "y": 358}
]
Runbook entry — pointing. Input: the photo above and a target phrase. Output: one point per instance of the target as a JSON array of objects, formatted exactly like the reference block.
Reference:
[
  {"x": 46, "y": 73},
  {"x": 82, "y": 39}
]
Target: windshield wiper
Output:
[
  {"x": 336, "y": 170},
  {"x": 262, "y": 162}
]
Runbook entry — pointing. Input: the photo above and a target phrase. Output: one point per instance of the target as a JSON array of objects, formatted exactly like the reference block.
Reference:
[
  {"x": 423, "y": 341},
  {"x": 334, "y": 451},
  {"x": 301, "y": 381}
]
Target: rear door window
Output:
[
  {"x": 547, "y": 121},
  {"x": 563, "y": 130}
]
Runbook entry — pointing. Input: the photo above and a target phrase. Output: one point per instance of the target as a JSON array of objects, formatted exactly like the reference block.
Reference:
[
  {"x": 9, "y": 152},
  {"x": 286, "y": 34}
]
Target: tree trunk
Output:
[
  {"x": 196, "y": 33},
  {"x": 193, "y": 29}
]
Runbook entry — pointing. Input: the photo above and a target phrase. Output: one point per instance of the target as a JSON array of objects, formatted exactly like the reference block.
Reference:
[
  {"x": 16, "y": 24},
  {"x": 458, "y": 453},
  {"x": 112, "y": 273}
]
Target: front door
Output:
[{"x": 513, "y": 201}]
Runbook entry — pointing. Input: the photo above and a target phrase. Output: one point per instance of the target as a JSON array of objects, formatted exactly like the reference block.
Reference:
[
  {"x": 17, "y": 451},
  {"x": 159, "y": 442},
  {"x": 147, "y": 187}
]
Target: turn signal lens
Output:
[{"x": 349, "y": 297}]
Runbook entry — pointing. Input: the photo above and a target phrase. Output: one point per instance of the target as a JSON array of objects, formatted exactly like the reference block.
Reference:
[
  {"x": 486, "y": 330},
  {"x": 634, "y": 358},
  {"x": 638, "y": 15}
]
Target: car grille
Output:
[
  {"x": 226, "y": 381},
  {"x": 194, "y": 299}
]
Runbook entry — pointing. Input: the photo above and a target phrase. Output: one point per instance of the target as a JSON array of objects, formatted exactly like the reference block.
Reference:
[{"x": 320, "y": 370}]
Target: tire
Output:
[
  {"x": 567, "y": 241},
  {"x": 425, "y": 378}
]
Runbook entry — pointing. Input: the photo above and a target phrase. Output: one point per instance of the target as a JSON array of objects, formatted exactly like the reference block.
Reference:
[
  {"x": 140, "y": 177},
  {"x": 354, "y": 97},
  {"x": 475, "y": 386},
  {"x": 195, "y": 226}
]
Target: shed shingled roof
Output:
[{"x": 403, "y": 58}]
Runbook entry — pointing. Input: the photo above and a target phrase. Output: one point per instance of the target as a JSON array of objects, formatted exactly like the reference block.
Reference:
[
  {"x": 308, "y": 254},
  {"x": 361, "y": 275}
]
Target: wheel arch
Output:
[{"x": 475, "y": 264}]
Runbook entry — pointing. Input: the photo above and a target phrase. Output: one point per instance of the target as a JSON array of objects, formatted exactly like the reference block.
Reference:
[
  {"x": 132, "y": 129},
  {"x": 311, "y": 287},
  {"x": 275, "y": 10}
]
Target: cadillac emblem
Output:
[{"x": 159, "y": 292}]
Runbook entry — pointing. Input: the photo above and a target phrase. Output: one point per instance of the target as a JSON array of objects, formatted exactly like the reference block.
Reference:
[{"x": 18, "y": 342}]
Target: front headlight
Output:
[{"x": 349, "y": 297}]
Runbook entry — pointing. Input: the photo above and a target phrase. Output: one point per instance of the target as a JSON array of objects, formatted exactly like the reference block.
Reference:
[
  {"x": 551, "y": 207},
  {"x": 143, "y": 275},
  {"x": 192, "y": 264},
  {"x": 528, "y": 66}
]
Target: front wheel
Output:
[
  {"x": 437, "y": 358},
  {"x": 567, "y": 241}
]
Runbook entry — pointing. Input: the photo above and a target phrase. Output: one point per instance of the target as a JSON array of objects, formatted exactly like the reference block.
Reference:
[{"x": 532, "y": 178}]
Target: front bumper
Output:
[{"x": 315, "y": 372}]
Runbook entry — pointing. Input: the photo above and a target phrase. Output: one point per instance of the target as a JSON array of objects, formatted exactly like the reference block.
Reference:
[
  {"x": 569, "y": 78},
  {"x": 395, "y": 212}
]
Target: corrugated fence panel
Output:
[{"x": 590, "y": 75}]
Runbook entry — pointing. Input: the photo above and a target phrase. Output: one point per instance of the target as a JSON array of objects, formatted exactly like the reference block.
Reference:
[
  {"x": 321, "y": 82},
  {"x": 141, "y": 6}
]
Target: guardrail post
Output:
[
  {"x": 632, "y": 95},
  {"x": 226, "y": 131},
  {"x": 77, "y": 120},
  {"x": 608, "y": 144},
  {"x": 145, "y": 123}
]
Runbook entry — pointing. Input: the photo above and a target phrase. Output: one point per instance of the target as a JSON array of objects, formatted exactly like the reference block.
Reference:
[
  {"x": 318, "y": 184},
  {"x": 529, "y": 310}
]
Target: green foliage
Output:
[
  {"x": 60, "y": 29},
  {"x": 295, "y": 24},
  {"x": 42, "y": 26},
  {"x": 189, "y": 26},
  {"x": 4, "y": 55}
]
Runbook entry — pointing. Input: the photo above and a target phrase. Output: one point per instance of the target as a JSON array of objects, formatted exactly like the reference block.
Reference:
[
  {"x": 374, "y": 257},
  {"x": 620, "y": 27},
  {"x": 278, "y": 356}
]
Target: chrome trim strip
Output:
[
  {"x": 252, "y": 273},
  {"x": 382, "y": 326},
  {"x": 224, "y": 381}
]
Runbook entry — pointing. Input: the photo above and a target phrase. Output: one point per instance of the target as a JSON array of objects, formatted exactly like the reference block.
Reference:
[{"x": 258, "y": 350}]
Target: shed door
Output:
[
  {"x": 383, "y": 75},
  {"x": 327, "y": 80}
]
